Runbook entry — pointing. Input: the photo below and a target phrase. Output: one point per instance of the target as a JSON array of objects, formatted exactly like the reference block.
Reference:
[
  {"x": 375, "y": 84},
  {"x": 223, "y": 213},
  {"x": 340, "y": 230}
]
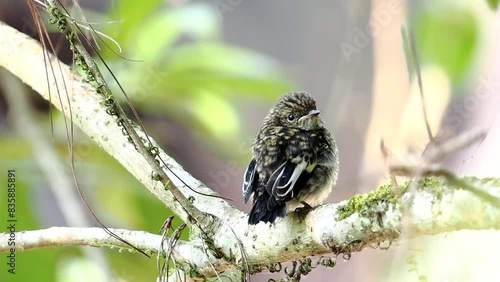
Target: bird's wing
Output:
[
  {"x": 282, "y": 182},
  {"x": 249, "y": 181}
]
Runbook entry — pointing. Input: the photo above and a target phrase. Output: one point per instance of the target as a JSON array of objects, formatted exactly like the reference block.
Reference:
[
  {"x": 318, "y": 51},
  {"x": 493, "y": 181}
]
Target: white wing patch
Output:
[
  {"x": 249, "y": 176},
  {"x": 299, "y": 168}
]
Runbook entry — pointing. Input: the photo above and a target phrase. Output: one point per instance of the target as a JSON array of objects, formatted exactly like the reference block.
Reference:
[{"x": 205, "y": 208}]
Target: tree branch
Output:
[
  {"x": 185, "y": 252},
  {"x": 350, "y": 226},
  {"x": 346, "y": 227}
]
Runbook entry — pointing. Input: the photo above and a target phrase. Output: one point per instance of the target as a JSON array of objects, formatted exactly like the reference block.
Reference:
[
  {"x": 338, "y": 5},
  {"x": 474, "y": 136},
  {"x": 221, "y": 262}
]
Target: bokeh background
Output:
[{"x": 203, "y": 74}]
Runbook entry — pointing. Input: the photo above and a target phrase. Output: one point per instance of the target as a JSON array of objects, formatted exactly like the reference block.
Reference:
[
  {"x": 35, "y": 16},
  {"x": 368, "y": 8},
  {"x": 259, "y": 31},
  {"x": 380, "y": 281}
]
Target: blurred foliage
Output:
[
  {"x": 493, "y": 4},
  {"x": 115, "y": 196},
  {"x": 178, "y": 67},
  {"x": 449, "y": 34},
  {"x": 40, "y": 262}
]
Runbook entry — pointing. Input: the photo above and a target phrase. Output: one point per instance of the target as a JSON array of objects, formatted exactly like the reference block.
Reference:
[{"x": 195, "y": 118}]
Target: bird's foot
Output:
[{"x": 303, "y": 211}]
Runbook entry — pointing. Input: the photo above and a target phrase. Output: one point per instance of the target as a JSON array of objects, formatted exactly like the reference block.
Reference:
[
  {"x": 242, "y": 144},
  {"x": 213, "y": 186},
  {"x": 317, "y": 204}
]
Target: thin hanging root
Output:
[
  {"x": 172, "y": 242},
  {"x": 84, "y": 23},
  {"x": 167, "y": 224},
  {"x": 100, "y": 34},
  {"x": 413, "y": 62},
  {"x": 244, "y": 256},
  {"x": 44, "y": 38},
  {"x": 208, "y": 259},
  {"x": 82, "y": 15},
  {"x": 165, "y": 227},
  {"x": 168, "y": 249},
  {"x": 88, "y": 59},
  {"x": 176, "y": 271},
  {"x": 413, "y": 47}
]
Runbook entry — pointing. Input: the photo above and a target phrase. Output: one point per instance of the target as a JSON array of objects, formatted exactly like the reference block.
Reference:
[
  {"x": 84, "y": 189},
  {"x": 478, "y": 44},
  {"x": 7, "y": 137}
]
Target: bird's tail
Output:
[{"x": 265, "y": 209}]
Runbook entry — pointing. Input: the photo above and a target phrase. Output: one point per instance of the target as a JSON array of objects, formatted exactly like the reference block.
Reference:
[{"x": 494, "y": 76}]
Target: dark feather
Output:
[
  {"x": 283, "y": 180},
  {"x": 266, "y": 209},
  {"x": 250, "y": 181}
]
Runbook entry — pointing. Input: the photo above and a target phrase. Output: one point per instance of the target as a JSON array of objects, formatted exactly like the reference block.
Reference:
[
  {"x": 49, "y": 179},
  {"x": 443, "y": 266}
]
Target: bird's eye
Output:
[{"x": 291, "y": 117}]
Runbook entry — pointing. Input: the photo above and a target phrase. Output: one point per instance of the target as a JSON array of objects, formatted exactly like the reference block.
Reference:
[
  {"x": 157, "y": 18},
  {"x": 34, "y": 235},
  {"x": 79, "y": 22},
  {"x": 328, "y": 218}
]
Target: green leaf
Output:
[
  {"x": 160, "y": 31},
  {"x": 215, "y": 114},
  {"x": 223, "y": 69},
  {"x": 221, "y": 58},
  {"x": 131, "y": 15},
  {"x": 448, "y": 35},
  {"x": 493, "y": 4}
]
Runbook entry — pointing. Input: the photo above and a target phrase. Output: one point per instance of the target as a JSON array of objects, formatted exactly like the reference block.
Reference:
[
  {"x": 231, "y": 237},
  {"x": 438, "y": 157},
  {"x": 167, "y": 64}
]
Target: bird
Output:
[{"x": 295, "y": 160}]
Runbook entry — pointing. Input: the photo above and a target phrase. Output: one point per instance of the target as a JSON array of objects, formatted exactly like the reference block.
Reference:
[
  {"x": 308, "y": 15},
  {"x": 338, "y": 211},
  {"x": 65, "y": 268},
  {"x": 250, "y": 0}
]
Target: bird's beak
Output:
[
  {"x": 310, "y": 121},
  {"x": 313, "y": 113},
  {"x": 310, "y": 117}
]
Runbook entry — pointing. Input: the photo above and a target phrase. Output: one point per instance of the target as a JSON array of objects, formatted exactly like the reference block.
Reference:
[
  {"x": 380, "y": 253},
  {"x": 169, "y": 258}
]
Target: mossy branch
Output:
[
  {"x": 143, "y": 144},
  {"x": 374, "y": 219},
  {"x": 343, "y": 228}
]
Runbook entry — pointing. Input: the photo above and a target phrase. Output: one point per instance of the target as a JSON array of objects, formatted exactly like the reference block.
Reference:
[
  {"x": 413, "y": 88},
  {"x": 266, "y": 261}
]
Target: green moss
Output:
[
  {"x": 434, "y": 185},
  {"x": 218, "y": 253},
  {"x": 388, "y": 193},
  {"x": 361, "y": 202},
  {"x": 431, "y": 182},
  {"x": 192, "y": 271}
]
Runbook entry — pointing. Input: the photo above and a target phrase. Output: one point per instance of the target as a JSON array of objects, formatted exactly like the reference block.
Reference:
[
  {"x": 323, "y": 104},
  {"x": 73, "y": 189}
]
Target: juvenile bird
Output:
[{"x": 295, "y": 160}]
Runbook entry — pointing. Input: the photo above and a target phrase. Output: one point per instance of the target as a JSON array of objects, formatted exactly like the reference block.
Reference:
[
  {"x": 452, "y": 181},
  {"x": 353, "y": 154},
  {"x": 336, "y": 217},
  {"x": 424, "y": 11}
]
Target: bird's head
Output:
[{"x": 295, "y": 110}]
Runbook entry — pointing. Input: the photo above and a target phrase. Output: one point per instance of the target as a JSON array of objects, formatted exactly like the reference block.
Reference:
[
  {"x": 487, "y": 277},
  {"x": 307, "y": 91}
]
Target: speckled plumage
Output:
[{"x": 295, "y": 160}]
